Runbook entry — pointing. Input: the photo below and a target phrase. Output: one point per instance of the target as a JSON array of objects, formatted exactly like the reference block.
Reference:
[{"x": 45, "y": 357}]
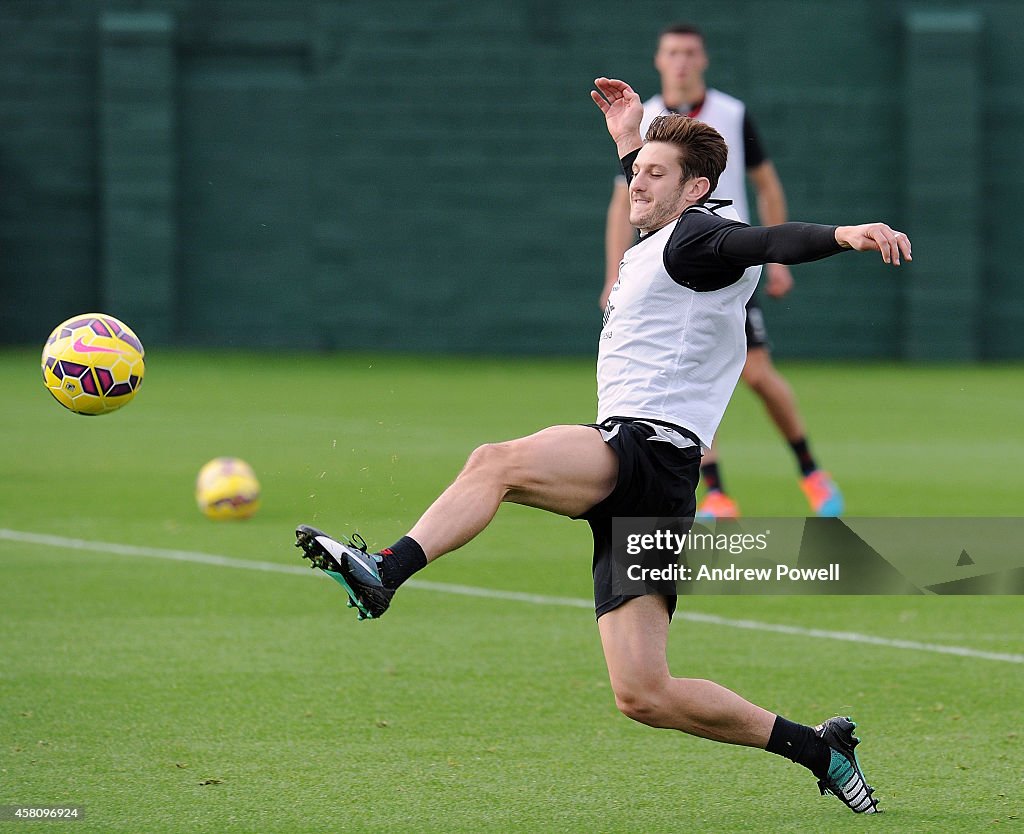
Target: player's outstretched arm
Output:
[
  {"x": 787, "y": 243},
  {"x": 623, "y": 112},
  {"x": 875, "y": 237}
]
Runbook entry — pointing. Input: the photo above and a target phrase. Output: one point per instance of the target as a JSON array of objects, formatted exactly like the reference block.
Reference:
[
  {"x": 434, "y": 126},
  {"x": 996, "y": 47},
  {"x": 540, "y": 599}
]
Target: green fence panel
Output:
[
  {"x": 138, "y": 171},
  {"x": 943, "y": 147}
]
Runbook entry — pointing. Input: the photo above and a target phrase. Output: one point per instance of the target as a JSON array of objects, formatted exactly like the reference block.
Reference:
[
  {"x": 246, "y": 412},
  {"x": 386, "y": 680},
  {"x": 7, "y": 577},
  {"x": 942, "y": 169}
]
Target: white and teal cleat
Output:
[
  {"x": 350, "y": 566},
  {"x": 845, "y": 779}
]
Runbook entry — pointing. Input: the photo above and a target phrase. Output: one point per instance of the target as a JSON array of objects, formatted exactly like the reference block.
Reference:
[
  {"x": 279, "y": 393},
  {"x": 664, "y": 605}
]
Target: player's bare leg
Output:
[
  {"x": 775, "y": 392},
  {"x": 563, "y": 469},
  {"x": 634, "y": 637},
  {"x": 764, "y": 379}
]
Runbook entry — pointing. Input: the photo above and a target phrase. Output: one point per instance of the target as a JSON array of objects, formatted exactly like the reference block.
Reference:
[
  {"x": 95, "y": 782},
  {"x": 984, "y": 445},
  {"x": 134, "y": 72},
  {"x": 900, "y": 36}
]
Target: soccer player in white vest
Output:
[
  {"x": 681, "y": 61},
  {"x": 669, "y": 357}
]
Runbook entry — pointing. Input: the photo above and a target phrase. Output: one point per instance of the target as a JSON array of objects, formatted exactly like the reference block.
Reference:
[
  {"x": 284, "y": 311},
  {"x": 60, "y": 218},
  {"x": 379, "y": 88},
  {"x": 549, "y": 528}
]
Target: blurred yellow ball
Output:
[{"x": 227, "y": 489}]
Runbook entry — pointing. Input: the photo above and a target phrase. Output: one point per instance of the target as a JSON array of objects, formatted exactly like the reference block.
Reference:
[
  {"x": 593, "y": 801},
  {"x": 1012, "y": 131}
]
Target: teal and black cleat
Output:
[
  {"x": 350, "y": 566},
  {"x": 845, "y": 779}
]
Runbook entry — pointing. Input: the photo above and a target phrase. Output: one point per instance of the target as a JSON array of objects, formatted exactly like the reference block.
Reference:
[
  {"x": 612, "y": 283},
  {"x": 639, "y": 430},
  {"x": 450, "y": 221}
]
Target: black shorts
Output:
[
  {"x": 659, "y": 465},
  {"x": 757, "y": 333}
]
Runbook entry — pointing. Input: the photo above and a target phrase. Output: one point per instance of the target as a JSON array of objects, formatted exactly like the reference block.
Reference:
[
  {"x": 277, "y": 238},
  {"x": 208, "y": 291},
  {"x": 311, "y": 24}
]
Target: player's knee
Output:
[
  {"x": 758, "y": 370},
  {"x": 486, "y": 457},
  {"x": 756, "y": 377},
  {"x": 492, "y": 460},
  {"x": 642, "y": 704}
]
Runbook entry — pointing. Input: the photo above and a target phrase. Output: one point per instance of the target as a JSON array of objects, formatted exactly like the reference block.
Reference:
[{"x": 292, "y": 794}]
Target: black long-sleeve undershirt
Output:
[{"x": 707, "y": 252}]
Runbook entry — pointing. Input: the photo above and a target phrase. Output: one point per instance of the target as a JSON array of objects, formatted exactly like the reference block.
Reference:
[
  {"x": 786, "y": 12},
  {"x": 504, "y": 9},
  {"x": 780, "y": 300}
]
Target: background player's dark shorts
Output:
[
  {"x": 656, "y": 478},
  {"x": 757, "y": 333}
]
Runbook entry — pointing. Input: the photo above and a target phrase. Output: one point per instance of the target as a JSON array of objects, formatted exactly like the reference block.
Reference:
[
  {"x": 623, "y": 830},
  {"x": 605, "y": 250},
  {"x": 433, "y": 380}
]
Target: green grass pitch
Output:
[{"x": 175, "y": 696}]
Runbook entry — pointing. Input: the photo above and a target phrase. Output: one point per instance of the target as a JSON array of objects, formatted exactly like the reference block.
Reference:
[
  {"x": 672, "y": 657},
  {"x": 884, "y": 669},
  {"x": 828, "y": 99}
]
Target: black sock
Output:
[
  {"x": 710, "y": 476},
  {"x": 800, "y": 744},
  {"x": 804, "y": 458},
  {"x": 401, "y": 561}
]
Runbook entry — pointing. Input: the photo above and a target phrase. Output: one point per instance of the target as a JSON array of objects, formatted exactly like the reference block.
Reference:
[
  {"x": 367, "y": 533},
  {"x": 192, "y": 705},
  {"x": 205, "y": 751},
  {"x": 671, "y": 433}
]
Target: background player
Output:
[{"x": 681, "y": 61}]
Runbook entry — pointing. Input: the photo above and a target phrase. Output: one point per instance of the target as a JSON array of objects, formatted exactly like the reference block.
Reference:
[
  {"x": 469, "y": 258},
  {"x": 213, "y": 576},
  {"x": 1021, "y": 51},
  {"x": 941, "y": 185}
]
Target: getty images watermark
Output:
[
  {"x": 817, "y": 556},
  {"x": 714, "y": 546}
]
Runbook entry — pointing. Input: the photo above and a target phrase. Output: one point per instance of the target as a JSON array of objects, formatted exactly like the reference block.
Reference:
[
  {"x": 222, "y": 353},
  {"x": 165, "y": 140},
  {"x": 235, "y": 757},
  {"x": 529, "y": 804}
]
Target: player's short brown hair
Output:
[
  {"x": 681, "y": 29},
  {"x": 702, "y": 150}
]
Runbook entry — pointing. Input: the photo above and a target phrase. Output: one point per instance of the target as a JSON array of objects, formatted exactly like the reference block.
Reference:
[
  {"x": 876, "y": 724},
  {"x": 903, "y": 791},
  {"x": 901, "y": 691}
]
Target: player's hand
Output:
[
  {"x": 876, "y": 237},
  {"x": 780, "y": 280},
  {"x": 622, "y": 108}
]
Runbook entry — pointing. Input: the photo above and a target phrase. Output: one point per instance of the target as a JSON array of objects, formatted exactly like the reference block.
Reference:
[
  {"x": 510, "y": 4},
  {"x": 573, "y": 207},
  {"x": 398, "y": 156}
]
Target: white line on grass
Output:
[{"x": 491, "y": 593}]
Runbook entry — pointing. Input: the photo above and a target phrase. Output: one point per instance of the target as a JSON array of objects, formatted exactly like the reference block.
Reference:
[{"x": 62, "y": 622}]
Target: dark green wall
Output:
[{"x": 433, "y": 176}]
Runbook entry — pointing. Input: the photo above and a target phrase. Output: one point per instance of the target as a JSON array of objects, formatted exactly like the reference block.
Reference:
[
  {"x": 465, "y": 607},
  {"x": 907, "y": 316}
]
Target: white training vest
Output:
[
  {"x": 725, "y": 114},
  {"x": 667, "y": 352}
]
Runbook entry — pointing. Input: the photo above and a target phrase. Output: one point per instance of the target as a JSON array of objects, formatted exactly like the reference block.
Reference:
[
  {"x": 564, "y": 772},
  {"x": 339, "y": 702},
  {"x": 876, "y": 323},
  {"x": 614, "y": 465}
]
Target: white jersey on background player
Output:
[{"x": 727, "y": 115}]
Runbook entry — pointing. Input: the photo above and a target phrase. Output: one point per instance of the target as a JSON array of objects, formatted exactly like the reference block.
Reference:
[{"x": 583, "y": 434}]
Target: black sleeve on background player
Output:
[
  {"x": 753, "y": 150},
  {"x": 707, "y": 252},
  {"x": 627, "y": 164}
]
